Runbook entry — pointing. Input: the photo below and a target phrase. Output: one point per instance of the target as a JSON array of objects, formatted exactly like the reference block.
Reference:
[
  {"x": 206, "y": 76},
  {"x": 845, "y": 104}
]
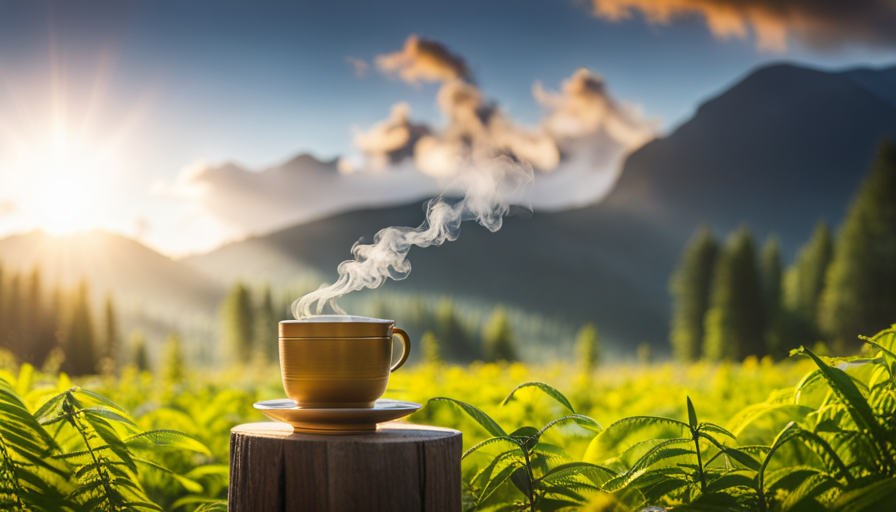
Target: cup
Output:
[{"x": 338, "y": 361}]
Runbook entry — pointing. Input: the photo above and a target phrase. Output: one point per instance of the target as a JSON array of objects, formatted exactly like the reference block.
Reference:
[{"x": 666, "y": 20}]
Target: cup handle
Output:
[{"x": 405, "y": 347}]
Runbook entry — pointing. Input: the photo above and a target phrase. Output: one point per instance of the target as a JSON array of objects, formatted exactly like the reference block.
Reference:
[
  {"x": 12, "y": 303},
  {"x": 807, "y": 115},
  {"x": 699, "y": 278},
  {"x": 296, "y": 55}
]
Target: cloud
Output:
[
  {"x": 423, "y": 60},
  {"x": 360, "y": 66},
  {"x": 819, "y": 23},
  {"x": 577, "y": 149},
  {"x": 390, "y": 141},
  {"x": 576, "y": 152},
  {"x": 300, "y": 190}
]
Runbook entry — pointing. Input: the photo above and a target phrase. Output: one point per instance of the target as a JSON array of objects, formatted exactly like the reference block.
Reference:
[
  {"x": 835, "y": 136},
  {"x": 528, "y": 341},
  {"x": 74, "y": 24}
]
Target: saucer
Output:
[{"x": 335, "y": 421}]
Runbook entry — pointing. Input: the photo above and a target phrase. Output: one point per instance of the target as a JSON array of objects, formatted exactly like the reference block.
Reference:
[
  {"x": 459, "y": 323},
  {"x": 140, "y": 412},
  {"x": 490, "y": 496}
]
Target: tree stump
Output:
[{"x": 400, "y": 467}]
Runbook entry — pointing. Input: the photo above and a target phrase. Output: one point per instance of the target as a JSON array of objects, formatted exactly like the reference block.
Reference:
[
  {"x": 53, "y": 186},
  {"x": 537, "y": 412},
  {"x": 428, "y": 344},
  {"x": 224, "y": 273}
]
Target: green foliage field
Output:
[{"x": 808, "y": 433}]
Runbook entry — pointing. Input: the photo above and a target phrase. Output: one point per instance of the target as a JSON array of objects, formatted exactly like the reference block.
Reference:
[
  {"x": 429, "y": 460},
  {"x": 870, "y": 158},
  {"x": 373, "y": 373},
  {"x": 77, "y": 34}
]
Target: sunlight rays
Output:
[{"x": 61, "y": 146}]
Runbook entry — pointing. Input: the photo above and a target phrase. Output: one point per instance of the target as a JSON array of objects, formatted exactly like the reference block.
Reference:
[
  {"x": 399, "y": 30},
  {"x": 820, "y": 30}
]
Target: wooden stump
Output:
[{"x": 401, "y": 467}]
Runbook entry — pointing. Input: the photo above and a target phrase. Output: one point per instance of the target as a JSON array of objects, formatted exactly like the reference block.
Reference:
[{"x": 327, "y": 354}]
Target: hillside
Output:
[{"x": 137, "y": 276}]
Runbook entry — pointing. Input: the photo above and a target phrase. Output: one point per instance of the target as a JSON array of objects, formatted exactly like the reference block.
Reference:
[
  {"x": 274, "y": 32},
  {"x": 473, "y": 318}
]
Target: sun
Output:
[
  {"x": 64, "y": 188},
  {"x": 65, "y": 207}
]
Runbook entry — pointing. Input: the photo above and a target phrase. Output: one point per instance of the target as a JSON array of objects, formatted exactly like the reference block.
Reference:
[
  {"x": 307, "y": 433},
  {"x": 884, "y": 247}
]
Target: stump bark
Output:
[{"x": 401, "y": 467}]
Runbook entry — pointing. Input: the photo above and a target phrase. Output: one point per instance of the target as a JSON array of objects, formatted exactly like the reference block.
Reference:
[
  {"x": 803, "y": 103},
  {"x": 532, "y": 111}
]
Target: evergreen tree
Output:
[
  {"x": 80, "y": 351},
  {"x": 588, "y": 347},
  {"x": 138, "y": 351},
  {"x": 735, "y": 325},
  {"x": 497, "y": 338},
  {"x": 690, "y": 287},
  {"x": 772, "y": 270},
  {"x": 266, "y": 327},
  {"x": 40, "y": 331},
  {"x": 173, "y": 365},
  {"x": 238, "y": 322},
  {"x": 860, "y": 292},
  {"x": 14, "y": 317},
  {"x": 645, "y": 353},
  {"x": 803, "y": 285},
  {"x": 430, "y": 348},
  {"x": 448, "y": 329},
  {"x": 111, "y": 334}
]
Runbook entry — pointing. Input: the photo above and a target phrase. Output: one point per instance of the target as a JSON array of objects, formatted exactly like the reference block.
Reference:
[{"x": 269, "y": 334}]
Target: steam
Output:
[{"x": 489, "y": 184}]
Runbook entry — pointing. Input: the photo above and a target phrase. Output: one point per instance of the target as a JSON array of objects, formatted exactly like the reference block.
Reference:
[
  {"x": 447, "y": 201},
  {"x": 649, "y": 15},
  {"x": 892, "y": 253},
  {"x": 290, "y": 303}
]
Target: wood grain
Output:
[{"x": 401, "y": 467}]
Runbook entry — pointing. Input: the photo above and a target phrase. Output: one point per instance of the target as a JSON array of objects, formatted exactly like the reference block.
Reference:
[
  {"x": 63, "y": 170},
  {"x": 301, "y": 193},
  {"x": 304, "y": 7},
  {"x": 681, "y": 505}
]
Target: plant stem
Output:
[
  {"x": 531, "y": 478},
  {"x": 699, "y": 461}
]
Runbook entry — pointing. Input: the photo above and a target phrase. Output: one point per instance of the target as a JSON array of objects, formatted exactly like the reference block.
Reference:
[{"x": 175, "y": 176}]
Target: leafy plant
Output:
[
  {"x": 79, "y": 452},
  {"x": 543, "y": 474}
]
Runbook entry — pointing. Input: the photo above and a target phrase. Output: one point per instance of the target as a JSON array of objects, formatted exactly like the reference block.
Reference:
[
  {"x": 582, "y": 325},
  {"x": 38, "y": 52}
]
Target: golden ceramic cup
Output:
[{"x": 335, "y": 361}]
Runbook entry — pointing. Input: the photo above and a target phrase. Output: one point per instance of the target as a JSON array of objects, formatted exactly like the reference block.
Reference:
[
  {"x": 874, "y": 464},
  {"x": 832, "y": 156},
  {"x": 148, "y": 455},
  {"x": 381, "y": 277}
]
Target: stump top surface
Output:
[{"x": 389, "y": 432}]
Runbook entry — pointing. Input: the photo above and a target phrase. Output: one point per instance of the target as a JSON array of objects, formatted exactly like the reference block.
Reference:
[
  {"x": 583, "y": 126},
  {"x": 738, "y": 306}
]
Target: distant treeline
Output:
[
  {"x": 441, "y": 330},
  {"x": 731, "y": 302},
  {"x": 58, "y": 330}
]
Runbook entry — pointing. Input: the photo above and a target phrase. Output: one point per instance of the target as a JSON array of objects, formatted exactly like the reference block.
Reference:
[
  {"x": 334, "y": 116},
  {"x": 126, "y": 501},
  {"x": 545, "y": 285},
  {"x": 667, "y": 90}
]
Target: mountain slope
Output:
[
  {"x": 779, "y": 150},
  {"x": 133, "y": 273}
]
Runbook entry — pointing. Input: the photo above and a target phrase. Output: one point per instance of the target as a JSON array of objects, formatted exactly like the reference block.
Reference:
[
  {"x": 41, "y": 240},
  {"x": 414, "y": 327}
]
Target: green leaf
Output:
[
  {"x": 579, "y": 419},
  {"x": 808, "y": 490},
  {"x": 856, "y": 405},
  {"x": 577, "y": 468},
  {"x": 483, "y": 419},
  {"x": 548, "y": 390},
  {"x": 743, "y": 458},
  {"x": 202, "y": 501},
  {"x": 168, "y": 438},
  {"x": 692, "y": 415},
  {"x": 637, "y": 421},
  {"x": 109, "y": 414},
  {"x": 877, "y": 496},
  {"x": 711, "y": 427},
  {"x": 495, "y": 482},
  {"x": 729, "y": 481},
  {"x": 489, "y": 441},
  {"x": 553, "y": 505},
  {"x": 526, "y": 437}
]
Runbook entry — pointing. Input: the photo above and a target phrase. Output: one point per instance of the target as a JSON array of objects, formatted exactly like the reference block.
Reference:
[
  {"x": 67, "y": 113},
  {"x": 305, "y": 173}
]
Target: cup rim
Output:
[{"x": 336, "y": 326}]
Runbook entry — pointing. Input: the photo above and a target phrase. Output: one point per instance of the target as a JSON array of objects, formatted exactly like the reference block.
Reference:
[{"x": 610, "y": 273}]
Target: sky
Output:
[{"x": 122, "y": 115}]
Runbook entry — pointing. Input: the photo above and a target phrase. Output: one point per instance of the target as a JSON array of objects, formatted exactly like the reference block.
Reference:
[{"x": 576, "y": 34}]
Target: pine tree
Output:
[
  {"x": 40, "y": 331},
  {"x": 803, "y": 286},
  {"x": 14, "y": 317},
  {"x": 173, "y": 365},
  {"x": 588, "y": 347},
  {"x": 735, "y": 325},
  {"x": 111, "y": 334},
  {"x": 266, "y": 327},
  {"x": 80, "y": 351},
  {"x": 238, "y": 322},
  {"x": 430, "y": 348},
  {"x": 448, "y": 329},
  {"x": 138, "y": 351},
  {"x": 860, "y": 292},
  {"x": 690, "y": 287},
  {"x": 497, "y": 338},
  {"x": 644, "y": 353},
  {"x": 772, "y": 269}
]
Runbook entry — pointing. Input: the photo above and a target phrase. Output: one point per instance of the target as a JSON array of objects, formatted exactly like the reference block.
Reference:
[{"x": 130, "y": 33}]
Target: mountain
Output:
[
  {"x": 141, "y": 280},
  {"x": 779, "y": 150}
]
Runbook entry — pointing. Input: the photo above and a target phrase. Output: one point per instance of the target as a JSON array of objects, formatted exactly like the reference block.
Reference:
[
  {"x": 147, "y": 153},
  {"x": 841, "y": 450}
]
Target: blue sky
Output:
[{"x": 258, "y": 82}]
